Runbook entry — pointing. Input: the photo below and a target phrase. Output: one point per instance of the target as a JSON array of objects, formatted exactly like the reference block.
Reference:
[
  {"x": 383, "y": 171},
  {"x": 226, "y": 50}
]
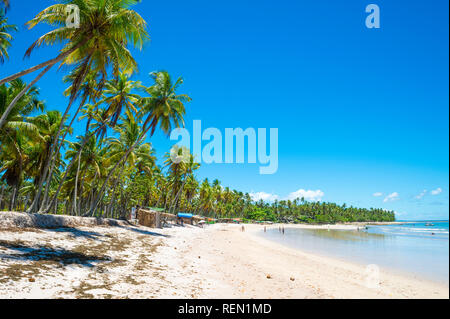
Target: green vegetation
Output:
[
  {"x": 5, "y": 35},
  {"x": 108, "y": 167}
]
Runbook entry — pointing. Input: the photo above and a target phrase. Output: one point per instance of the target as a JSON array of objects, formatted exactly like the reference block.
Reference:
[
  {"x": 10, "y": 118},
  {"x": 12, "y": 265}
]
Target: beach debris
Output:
[
  {"x": 31, "y": 280},
  {"x": 268, "y": 276},
  {"x": 198, "y": 257},
  {"x": 292, "y": 279}
]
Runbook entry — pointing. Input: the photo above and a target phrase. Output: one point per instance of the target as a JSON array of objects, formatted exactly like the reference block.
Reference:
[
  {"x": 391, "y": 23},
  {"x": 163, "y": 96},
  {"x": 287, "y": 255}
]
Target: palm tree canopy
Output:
[
  {"x": 164, "y": 105},
  {"x": 106, "y": 28}
]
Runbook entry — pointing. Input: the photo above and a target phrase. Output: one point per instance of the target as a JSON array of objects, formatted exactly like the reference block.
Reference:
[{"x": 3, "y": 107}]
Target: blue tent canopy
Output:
[{"x": 184, "y": 215}]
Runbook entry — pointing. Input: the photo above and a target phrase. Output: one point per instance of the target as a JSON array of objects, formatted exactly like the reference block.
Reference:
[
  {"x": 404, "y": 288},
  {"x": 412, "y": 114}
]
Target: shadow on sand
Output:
[
  {"x": 45, "y": 253},
  {"x": 144, "y": 232},
  {"x": 75, "y": 232}
]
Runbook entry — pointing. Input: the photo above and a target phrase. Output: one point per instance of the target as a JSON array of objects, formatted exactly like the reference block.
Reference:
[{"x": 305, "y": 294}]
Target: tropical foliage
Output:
[{"x": 5, "y": 35}]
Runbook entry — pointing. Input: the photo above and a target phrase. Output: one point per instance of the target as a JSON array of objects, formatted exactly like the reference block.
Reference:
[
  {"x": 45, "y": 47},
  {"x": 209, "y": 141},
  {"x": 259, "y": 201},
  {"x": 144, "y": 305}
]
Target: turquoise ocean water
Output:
[{"x": 419, "y": 248}]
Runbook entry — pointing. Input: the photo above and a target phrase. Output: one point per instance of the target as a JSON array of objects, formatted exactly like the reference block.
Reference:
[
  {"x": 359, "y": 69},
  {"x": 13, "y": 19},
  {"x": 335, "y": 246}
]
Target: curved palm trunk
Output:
[
  {"x": 74, "y": 96},
  {"x": 46, "y": 209},
  {"x": 19, "y": 96},
  {"x": 12, "y": 203},
  {"x": 51, "y": 62},
  {"x": 175, "y": 200},
  {"x": 124, "y": 158},
  {"x": 34, "y": 205},
  {"x": 53, "y": 162},
  {"x": 81, "y": 190},
  {"x": 76, "y": 186},
  {"x": 114, "y": 187}
]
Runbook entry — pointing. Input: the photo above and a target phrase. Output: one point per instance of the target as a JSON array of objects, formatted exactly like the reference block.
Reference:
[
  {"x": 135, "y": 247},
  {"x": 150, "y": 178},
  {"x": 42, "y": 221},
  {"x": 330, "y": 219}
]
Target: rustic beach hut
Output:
[{"x": 149, "y": 218}]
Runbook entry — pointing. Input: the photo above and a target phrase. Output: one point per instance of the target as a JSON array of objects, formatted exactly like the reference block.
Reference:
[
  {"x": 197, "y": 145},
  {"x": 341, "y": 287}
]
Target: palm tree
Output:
[
  {"x": 106, "y": 29},
  {"x": 129, "y": 133},
  {"x": 118, "y": 94},
  {"x": 89, "y": 90},
  {"x": 183, "y": 170},
  {"x": 48, "y": 125},
  {"x": 5, "y": 36},
  {"x": 164, "y": 107},
  {"x": 16, "y": 134},
  {"x": 14, "y": 158}
]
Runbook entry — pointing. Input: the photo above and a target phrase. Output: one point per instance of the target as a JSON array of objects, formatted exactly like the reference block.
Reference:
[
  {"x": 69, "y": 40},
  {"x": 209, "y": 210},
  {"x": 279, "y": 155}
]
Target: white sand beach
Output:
[{"x": 219, "y": 261}]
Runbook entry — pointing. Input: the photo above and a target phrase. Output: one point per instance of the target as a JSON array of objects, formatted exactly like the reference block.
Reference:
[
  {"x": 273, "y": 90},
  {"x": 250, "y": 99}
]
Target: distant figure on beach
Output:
[
  {"x": 279, "y": 229},
  {"x": 243, "y": 228},
  {"x": 133, "y": 213},
  {"x": 264, "y": 228},
  {"x": 282, "y": 230}
]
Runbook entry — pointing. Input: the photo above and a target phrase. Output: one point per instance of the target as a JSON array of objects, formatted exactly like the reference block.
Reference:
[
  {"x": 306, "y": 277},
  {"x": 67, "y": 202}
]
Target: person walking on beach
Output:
[
  {"x": 264, "y": 228},
  {"x": 282, "y": 230}
]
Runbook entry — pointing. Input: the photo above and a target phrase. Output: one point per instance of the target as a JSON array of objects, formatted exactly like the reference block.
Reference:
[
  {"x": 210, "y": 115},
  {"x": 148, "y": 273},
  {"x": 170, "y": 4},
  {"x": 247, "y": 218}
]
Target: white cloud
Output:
[
  {"x": 421, "y": 194},
  {"x": 400, "y": 213},
  {"x": 309, "y": 195},
  {"x": 264, "y": 196},
  {"x": 391, "y": 197},
  {"x": 437, "y": 191},
  {"x": 377, "y": 194}
]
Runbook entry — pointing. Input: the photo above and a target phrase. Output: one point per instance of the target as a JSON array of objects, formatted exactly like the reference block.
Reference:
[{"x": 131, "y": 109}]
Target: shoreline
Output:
[
  {"x": 258, "y": 234},
  {"x": 323, "y": 276},
  {"x": 218, "y": 261}
]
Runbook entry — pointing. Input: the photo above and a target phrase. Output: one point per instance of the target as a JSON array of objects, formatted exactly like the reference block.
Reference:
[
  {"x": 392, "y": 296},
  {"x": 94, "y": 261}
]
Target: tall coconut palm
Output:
[
  {"x": 106, "y": 28},
  {"x": 91, "y": 159},
  {"x": 188, "y": 167},
  {"x": 164, "y": 107},
  {"x": 5, "y": 36},
  {"x": 89, "y": 90},
  {"x": 48, "y": 125},
  {"x": 14, "y": 158},
  {"x": 129, "y": 134},
  {"x": 16, "y": 134},
  {"x": 117, "y": 96}
]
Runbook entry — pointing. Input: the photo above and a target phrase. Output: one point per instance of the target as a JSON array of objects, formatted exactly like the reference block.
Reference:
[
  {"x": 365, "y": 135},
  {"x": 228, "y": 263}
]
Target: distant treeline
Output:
[{"x": 315, "y": 212}]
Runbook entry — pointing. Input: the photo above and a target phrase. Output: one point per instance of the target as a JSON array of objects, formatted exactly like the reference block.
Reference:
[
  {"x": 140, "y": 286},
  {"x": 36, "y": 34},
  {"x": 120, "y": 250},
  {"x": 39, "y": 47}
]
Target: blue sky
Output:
[{"x": 359, "y": 111}]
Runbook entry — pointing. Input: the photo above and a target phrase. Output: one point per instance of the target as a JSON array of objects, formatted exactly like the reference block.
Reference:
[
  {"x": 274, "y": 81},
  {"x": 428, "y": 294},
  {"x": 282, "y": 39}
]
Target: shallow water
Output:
[{"x": 413, "y": 248}]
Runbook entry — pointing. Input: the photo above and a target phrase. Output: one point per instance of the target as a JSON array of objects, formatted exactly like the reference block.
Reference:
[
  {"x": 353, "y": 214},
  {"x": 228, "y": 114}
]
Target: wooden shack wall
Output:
[{"x": 147, "y": 218}]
